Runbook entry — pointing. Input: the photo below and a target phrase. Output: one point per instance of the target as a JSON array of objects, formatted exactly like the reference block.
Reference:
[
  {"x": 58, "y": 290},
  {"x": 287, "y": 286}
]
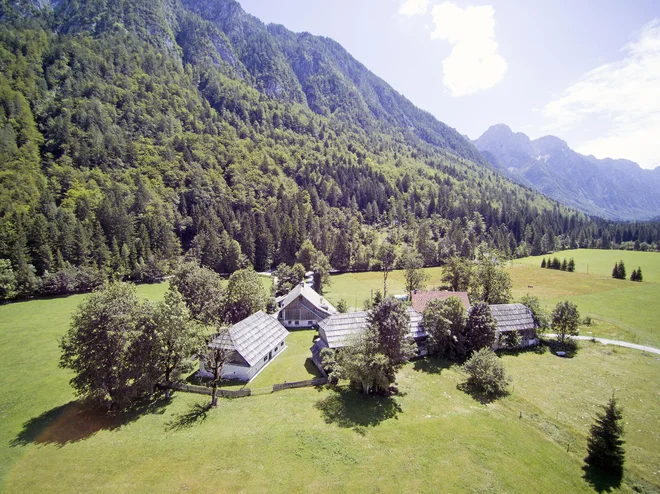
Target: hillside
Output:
[
  {"x": 134, "y": 132},
  {"x": 615, "y": 189}
]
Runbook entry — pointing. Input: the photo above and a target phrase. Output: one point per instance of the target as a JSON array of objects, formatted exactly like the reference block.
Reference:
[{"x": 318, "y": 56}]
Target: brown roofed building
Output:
[
  {"x": 421, "y": 298},
  {"x": 514, "y": 317}
]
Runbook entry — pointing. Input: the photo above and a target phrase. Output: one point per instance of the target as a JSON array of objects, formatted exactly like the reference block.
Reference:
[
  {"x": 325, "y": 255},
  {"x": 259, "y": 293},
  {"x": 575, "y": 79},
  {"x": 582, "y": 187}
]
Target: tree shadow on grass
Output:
[
  {"x": 601, "y": 481},
  {"x": 195, "y": 415},
  {"x": 350, "y": 409},
  {"x": 570, "y": 347},
  {"x": 431, "y": 365},
  {"x": 78, "y": 420},
  {"x": 479, "y": 395}
]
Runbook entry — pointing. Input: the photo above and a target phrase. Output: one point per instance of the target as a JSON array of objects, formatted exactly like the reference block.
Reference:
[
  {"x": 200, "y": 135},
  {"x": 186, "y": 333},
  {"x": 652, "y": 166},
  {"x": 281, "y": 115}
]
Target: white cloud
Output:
[
  {"x": 473, "y": 64},
  {"x": 414, "y": 7},
  {"x": 624, "y": 96}
]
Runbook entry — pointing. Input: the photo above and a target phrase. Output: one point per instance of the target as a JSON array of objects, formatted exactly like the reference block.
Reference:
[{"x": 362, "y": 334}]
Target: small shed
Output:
[
  {"x": 421, "y": 298},
  {"x": 255, "y": 341},
  {"x": 303, "y": 308},
  {"x": 514, "y": 317}
]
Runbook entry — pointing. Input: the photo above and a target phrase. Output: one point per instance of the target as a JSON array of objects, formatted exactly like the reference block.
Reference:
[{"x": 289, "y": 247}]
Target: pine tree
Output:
[
  {"x": 571, "y": 265},
  {"x": 543, "y": 263},
  {"x": 604, "y": 445},
  {"x": 564, "y": 265},
  {"x": 639, "y": 274}
]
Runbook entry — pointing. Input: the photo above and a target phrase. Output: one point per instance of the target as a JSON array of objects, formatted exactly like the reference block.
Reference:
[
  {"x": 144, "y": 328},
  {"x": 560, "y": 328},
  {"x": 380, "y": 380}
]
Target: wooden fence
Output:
[
  {"x": 239, "y": 393},
  {"x": 204, "y": 390},
  {"x": 319, "y": 381}
]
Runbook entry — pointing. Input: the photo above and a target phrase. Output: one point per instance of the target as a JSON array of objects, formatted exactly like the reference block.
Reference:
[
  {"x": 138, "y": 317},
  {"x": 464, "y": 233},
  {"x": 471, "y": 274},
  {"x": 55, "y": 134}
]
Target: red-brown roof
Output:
[{"x": 420, "y": 299}]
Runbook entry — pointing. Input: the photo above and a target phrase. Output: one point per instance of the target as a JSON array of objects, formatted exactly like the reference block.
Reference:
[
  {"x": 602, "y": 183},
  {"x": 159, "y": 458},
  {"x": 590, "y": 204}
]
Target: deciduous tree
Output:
[
  {"x": 415, "y": 277},
  {"x": 109, "y": 347},
  {"x": 486, "y": 373},
  {"x": 178, "y": 336},
  {"x": 492, "y": 283},
  {"x": 480, "y": 328},
  {"x": 565, "y": 321},
  {"x": 245, "y": 295}
]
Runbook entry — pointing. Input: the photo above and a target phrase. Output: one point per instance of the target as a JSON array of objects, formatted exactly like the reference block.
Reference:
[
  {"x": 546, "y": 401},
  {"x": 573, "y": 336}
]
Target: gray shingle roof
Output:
[
  {"x": 415, "y": 325},
  {"x": 511, "y": 317},
  {"x": 316, "y": 349},
  {"x": 311, "y": 296},
  {"x": 253, "y": 337},
  {"x": 341, "y": 328}
]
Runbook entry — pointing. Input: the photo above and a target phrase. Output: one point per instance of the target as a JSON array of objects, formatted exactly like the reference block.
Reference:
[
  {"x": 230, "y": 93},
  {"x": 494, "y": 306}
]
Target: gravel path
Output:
[{"x": 605, "y": 341}]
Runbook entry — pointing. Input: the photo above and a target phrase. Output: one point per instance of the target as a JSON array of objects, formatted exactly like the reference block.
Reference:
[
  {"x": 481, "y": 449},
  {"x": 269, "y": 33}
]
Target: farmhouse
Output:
[
  {"x": 303, "y": 308},
  {"x": 339, "y": 330},
  {"x": 514, "y": 317},
  {"x": 421, "y": 298},
  {"x": 255, "y": 341}
]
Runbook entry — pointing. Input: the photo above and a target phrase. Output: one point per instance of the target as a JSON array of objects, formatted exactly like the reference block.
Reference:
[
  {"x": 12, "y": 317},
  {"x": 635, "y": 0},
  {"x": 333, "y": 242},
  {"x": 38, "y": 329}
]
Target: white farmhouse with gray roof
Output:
[
  {"x": 256, "y": 340},
  {"x": 303, "y": 308}
]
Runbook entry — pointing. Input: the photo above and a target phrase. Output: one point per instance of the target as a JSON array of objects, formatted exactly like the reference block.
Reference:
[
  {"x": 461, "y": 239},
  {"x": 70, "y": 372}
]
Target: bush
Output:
[{"x": 486, "y": 373}]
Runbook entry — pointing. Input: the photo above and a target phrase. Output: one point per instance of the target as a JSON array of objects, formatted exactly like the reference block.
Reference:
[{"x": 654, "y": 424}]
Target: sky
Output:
[{"x": 585, "y": 71}]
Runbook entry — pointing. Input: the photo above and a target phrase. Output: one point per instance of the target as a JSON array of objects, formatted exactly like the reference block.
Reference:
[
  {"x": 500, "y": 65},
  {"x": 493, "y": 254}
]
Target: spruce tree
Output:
[
  {"x": 564, "y": 265},
  {"x": 604, "y": 445},
  {"x": 543, "y": 263},
  {"x": 622, "y": 271},
  {"x": 571, "y": 265}
]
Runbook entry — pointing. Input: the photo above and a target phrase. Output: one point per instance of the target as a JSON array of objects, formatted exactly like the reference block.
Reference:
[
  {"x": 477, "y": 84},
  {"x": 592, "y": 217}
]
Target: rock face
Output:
[{"x": 613, "y": 189}]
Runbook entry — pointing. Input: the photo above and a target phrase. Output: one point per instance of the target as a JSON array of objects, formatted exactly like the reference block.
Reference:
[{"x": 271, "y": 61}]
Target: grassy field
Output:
[
  {"x": 355, "y": 288},
  {"x": 432, "y": 437},
  {"x": 621, "y": 309}
]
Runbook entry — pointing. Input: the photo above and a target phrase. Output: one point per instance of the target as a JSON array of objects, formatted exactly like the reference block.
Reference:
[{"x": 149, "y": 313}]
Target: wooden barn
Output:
[
  {"x": 255, "y": 341},
  {"x": 339, "y": 330},
  {"x": 303, "y": 308},
  {"x": 514, "y": 317}
]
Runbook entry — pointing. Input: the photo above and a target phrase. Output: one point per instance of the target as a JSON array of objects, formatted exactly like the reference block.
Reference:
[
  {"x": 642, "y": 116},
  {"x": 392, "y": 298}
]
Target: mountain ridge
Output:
[
  {"x": 135, "y": 132},
  {"x": 611, "y": 188}
]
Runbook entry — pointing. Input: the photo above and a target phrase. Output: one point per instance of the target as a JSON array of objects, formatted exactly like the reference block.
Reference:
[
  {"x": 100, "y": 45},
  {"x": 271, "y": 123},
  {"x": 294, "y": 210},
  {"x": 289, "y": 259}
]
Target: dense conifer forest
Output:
[{"x": 136, "y": 132}]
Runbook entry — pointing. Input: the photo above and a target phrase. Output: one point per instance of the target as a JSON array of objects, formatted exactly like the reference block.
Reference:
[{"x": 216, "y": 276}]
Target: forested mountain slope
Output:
[
  {"x": 617, "y": 189},
  {"x": 132, "y": 132}
]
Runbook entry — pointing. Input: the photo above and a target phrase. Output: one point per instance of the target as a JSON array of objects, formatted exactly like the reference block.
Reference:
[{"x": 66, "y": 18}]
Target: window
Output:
[
  {"x": 297, "y": 322},
  {"x": 275, "y": 349},
  {"x": 266, "y": 358},
  {"x": 282, "y": 344},
  {"x": 309, "y": 323}
]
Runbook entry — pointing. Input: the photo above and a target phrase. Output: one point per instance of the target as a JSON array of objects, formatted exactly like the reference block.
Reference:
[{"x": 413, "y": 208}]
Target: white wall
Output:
[{"x": 244, "y": 373}]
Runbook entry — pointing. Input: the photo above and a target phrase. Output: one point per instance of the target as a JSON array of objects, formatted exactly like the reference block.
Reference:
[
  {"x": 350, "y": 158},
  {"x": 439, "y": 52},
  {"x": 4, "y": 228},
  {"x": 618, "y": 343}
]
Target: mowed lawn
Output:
[
  {"x": 621, "y": 309},
  {"x": 431, "y": 438}
]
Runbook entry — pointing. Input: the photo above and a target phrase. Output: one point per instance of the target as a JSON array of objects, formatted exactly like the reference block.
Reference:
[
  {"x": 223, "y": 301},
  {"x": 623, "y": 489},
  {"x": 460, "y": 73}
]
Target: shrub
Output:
[{"x": 486, "y": 373}]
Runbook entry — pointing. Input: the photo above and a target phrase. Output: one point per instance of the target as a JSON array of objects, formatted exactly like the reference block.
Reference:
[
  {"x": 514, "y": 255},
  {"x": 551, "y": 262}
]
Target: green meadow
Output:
[
  {"x": 432, "y": 437},
  {"x": 620, "y": 309},
  {"x": 355, "y": 288}
]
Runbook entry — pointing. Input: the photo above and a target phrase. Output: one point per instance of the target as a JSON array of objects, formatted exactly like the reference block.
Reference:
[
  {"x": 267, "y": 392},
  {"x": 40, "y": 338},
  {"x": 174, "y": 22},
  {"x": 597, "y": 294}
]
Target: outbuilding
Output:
[
  {"x": 303, "y": 308},
  {"x": 514, "y": 317}
]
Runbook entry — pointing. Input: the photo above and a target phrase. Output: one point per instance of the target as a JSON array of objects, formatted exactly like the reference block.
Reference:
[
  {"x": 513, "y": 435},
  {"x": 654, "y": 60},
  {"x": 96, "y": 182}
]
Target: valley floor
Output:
[{"x": 432, "y": 437}]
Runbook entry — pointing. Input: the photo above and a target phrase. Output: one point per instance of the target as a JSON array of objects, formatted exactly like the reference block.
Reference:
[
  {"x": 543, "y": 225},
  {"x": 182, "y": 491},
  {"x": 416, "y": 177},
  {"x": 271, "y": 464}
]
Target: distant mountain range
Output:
[{"x": 614, "y": 189}]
